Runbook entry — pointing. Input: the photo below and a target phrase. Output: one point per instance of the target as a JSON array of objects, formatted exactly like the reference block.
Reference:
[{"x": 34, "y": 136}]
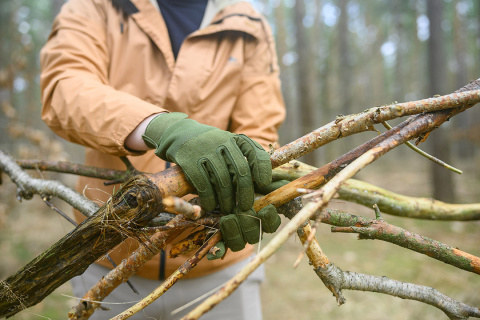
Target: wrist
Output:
[
  {"x": 157, "y": 126},
  {"x": 134, "y": 140}
]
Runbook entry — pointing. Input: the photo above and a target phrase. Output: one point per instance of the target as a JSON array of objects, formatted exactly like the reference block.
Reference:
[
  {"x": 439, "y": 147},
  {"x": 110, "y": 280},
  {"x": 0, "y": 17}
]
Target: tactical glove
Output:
[{"x": 220, "y": 165}]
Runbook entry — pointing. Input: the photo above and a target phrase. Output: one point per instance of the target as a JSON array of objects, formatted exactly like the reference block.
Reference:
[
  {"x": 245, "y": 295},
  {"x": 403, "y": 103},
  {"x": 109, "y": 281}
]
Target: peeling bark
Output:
[{"x": 132, "y": 207}]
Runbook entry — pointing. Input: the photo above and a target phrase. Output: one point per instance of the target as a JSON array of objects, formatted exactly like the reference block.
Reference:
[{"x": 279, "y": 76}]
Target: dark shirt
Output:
[{"x": 182, "y": 17}]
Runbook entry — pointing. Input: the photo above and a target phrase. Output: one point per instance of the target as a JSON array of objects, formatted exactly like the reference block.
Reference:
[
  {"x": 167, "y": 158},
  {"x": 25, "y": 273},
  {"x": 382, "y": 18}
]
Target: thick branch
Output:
[
  {"x": 122, "y": 272},
  {"x": 134, "y": 205}
]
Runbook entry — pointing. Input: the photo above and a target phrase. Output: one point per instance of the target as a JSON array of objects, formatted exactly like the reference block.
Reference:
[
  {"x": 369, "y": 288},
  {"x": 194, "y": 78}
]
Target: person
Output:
[{"x": 190, "y": 82}]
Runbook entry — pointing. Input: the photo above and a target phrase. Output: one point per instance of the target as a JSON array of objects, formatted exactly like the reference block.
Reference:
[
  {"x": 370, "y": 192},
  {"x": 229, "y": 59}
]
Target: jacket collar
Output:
[{"x": 220, "y": 15}]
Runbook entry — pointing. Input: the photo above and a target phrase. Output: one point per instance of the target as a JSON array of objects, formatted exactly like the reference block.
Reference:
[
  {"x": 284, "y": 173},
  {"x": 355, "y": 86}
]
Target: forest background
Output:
[{"x": 336, "y": 57}]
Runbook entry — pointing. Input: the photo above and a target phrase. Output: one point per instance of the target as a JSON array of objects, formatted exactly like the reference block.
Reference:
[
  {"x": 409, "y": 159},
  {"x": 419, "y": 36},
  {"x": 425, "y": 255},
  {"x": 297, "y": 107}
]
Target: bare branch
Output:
[
  {"x": 28, "y": 186},
  {"x": 334, "y": 277}
]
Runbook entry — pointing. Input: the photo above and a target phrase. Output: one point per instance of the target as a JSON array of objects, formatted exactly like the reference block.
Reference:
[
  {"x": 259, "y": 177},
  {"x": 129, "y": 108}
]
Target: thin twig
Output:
[{"x": 426, "y": 155}]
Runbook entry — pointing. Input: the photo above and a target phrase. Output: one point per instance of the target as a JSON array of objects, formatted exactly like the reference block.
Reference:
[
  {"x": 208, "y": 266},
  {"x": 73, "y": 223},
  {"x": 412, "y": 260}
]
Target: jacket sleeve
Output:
[
  {"x": 78, "y": 102},
  {"x": 260, "y": 109}
]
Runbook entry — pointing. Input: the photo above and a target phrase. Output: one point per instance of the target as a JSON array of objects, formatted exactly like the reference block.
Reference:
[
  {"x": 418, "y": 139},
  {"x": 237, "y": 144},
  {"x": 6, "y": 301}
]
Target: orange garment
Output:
[{"x": 103, "y": 73}]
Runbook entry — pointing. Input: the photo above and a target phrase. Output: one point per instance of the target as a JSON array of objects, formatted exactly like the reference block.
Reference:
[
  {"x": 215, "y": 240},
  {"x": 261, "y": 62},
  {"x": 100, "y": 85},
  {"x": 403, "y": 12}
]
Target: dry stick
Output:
[
  {"x": 336, "y": 279},
  {"x": 172, "y": 279},
  {"x": 179, "y": 206},
  {"x": 261, "y": 204},
  {"x": 409, "y": 130},
  {"x": 206, "y": 221},
  {"x": 378, "y": 229},
  {"x": 132, "y": 207},
  {"x": 389, "y": 202},
  {"x": 91, "y": 300}
]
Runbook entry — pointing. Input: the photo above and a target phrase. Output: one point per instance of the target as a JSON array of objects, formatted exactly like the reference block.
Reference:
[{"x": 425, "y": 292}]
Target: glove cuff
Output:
[{"x": 157, "y": 127}]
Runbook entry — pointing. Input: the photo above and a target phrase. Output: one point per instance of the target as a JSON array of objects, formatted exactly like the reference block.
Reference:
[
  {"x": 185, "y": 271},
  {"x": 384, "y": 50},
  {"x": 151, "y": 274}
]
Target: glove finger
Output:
[
  {"x": 217, "y": 251},
  {"x": 231, "y": 232},
  {"x": 199, "y": 178},
  {"x": 250, "y": 225},
  {"x": 270, "y": 218},
  {"x": 221, "y": 182},
  {"x": 242, "y": 177},
  {"x": 258, "y": 159},
  {"x": 271, "y": 187}
]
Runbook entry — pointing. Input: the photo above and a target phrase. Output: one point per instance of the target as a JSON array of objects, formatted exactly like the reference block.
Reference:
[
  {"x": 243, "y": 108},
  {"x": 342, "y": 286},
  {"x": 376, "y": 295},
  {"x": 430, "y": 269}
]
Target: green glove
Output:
[
  {"x": 243, "y": 227},
  {"x": 219, "y": 164}
]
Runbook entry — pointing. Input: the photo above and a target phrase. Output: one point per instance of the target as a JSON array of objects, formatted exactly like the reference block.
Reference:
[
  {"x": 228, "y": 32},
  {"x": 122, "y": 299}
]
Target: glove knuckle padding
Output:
[{"x": 270, "y": 218}]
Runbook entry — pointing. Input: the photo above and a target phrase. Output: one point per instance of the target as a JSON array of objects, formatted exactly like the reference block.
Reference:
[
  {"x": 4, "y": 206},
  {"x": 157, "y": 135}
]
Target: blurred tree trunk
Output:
[
  {"x": 344, "y": 56},
  {"x": 305, "y": 77},
  {"x": 464, "y": 120},
  {"x": 6, "y": 80},
  {"x": 290, "y": 130},
  {"x": 443, "y": 188},
  {"x": 56, "y": 6},
  {"x": 398, "y": 9}
]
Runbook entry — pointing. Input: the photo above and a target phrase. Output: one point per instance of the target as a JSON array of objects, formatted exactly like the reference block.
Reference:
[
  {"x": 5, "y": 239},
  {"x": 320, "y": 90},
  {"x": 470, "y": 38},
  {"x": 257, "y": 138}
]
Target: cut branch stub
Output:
[{"x": 132, "y": 207}]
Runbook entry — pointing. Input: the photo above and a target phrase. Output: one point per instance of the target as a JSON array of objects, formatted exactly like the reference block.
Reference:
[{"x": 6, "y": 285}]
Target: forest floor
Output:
[{"x": 28, "y": 228}]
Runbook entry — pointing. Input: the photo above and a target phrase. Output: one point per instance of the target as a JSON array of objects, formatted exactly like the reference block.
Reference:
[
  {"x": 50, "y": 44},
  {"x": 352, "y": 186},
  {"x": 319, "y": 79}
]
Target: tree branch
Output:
[
  {"x": 28, "y": 186},
  {"x": 334, "y": 277},
  {"x": 381, "y": 230}
]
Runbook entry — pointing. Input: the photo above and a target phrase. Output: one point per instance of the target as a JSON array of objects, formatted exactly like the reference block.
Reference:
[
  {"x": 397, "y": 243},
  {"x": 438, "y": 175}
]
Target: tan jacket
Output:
[{"x": 103, "y": 73}]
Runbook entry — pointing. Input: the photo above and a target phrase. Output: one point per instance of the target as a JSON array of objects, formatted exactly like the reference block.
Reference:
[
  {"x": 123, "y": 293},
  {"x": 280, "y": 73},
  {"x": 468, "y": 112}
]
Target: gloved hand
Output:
[
  {"x": 219, "y": 164},
  {"x": 244, "y": 227}
]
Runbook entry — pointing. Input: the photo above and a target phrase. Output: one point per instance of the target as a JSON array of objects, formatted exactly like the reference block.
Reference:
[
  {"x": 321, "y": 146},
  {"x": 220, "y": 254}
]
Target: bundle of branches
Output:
[{"x": 138, "y": 203}]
